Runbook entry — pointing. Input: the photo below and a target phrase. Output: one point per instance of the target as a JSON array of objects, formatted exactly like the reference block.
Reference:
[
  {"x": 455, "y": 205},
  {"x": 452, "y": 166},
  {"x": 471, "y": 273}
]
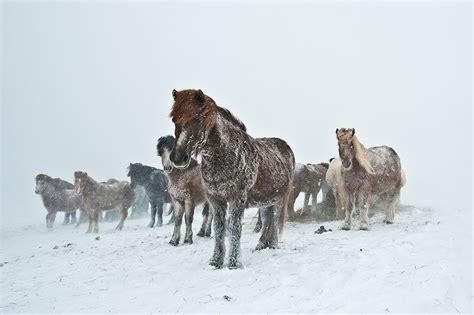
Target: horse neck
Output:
[{"x": 90, "y": 185}]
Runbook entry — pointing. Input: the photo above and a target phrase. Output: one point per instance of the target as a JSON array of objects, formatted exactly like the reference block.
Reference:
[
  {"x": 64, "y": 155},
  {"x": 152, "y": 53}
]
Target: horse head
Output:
[
  {"x": 346, "y": 148},
  {"x": 42, "y": 181},
  {"x": 164, "y": 147},
  {"x": 80, "y": 179},
  {"x": 193, "y": 115}
]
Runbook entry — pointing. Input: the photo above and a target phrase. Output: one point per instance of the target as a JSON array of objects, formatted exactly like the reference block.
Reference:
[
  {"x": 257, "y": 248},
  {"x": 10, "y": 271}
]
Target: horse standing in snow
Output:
[
  {"x": 69, "y": 217},
  {"x": 368, "y": 172},
  {"x": 237, "y": 169},
  {"x": 97, "y": 197},
  {"x": 334, "y": 181},
  {"x": 56, "y": 198},
  {"x": 155, "y": 183},
  {"x": 187, "y": 192}
]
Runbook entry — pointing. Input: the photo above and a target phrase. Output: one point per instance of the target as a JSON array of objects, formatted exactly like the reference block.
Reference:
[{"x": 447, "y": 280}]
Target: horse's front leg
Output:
[
  {"x": 314, "y": 201},
  {"x": 159, "y": 211},
  {"x": 152, "y": 215},
  {"x": 66, "y": 218},
  {"x": 364, "y": 211},
  {"x": 348, "y": 206},
  {"x": 306, "y": 202},
  {"x": 82, "y": 217},
  {"x": 122, "y": 218},
  {"x": 179, "y": 206},
  {"x": 205, "y": 220},
  {"x": 219, "y": 207},
  {"x": 235, "y": 227},
  {"x": 49, "y": 223},
  {"x": 73, "y": 217},
  {"x": 258, "y": 225},
  {"x": 96, "y": 215},
  {"x": 189, "y": 216}
]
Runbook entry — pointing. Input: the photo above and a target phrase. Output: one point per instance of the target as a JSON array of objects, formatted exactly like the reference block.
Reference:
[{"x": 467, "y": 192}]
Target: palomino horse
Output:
[
  {"x": 368, "y": 172},
  {"x": 187, "y": 192},
  {"x": 55, "y": 198},
  {"x": 334, "y": 181},
  {"x": 155, "y": 183},
  {"x": 98, "y": 197},
  {"x": 237, "y": 169}
]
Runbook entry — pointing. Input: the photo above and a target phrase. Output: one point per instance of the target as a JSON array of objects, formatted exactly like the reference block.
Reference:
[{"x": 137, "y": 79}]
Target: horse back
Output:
[{"x": 387, "y": 166}]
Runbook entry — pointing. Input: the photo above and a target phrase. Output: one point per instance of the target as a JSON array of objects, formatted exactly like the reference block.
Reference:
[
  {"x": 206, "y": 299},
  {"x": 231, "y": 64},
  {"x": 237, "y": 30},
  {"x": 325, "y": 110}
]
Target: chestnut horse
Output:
[
  {"x": 187, "y": 191},
  {"x": 238, "y": 171},
  {"x": 97, "y": 197},
  {"x": 56, "y": 198},
  {"x": 367, "y": 173}
]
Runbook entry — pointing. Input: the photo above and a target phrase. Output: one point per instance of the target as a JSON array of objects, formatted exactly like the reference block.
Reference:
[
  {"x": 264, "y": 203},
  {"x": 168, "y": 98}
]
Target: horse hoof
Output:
[
  {"x": 261, "y": 246},
  {"x": 151, "y": 224},
  {"x": 346, "y": 227},
  {"x": 159, "y": 224},
  {"x": 174, "y": 242},
  {"x": 190, "y": 241},
  {"x": 217, "y": 263},
  {"x": 208, "y": 234},
  {"x": 234, "y": 264},
  {"x": 364, "y": 227},
  {"x": 387, "y": 221},
  {"x": 201, "y": 233},
  {"x": 257, "y": 229}
]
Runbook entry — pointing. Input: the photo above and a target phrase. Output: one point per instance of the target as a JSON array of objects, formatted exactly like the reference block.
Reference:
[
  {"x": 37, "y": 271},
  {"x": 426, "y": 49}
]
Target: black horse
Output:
[
  {"x": 155, "y": 183},
  {"x": 58, "y": 183}
]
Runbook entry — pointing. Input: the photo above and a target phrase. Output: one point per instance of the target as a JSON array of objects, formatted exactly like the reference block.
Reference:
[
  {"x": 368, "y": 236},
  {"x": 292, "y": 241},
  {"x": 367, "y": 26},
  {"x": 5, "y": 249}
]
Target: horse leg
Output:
[
  {"x": 122, "y": 218},
  {"x": 82, "y": 217},
  {"x": 52, "y": 218},
  {"x": 91, "y": 220},
  {"x": 258, "y": 225},
  {"x": 348, "y": 206},
  {"x": 177, "y": 224},
  {"x": 219, "y": 208},
  {"x": 96, "y": 214},
  {"x": 152, "y": 215},
  {"x": 235, "y": 235},
  {"x": 66, "y": 218},
  {"x": 173, "y": 215},
  {"x": 159, "y": 207},
  {"x": 314, "y": 200},
  {"x": 392, "y": 200},
  {"x": 209, "y": 222},
  {"x": 339, "y": 206},
  {"x": 267, "y": 226},
  {"x": 189, "y": 216},
  {"x": 73, "y": 217},
  {"x": 364, "y": 211},
  {"x": 205, "y": 219},
  {"x": 306, "y": 202},
  {"x": 49, "y": 225}
]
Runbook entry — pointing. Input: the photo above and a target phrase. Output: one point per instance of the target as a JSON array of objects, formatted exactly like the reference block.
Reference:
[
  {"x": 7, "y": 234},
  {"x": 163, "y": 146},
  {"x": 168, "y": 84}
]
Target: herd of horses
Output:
[{"x": 235, "y": 172}]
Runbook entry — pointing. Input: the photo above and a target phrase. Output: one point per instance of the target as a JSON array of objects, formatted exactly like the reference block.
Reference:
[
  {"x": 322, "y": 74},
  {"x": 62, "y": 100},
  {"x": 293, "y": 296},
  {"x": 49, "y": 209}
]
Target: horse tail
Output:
[
  {"x": 403, "y": 178},
  {"x": 129, "y": 196}
]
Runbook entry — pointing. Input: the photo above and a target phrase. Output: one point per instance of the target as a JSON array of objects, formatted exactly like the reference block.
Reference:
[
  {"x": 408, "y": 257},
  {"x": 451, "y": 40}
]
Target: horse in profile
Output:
[
  {"x": 155, "y": 183},
  {"x": 97, "y": 197},
  {"x": 238, "y": 170},
  {"x": 69, "y": 217},
  {"x": 187, "y": 192},
  {"x": 56, "y": 197},
  {"x": 366, "y": 173}
]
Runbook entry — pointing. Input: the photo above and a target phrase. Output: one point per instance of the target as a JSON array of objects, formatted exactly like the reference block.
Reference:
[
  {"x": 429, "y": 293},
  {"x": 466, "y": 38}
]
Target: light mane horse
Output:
[
  {"x": 238, "y": 171},
  {"x": 367, "y": 173}
]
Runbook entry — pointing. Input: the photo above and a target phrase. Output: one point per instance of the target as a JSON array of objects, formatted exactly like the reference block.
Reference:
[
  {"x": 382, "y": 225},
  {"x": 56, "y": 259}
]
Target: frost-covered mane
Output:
[
  {"x": 231, "y": 118},
  {"x": 361, "y": 155}
]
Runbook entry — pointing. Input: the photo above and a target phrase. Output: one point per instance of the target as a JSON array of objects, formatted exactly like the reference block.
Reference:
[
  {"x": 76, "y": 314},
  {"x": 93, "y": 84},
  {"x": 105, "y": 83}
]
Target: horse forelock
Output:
[
  {"x": 165, "y": 142},
  {"x": 187, "y": 108},
  {"x": 43, "y": 177}
]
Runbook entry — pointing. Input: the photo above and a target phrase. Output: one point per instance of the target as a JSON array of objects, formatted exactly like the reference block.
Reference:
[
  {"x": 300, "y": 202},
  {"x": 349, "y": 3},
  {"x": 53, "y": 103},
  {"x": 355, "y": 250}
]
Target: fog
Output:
[{"x": 87, "y": 86}]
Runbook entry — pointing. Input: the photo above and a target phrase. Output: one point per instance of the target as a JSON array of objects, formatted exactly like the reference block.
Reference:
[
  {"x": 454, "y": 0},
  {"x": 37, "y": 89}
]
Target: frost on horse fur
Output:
[
  {"x": 366, "y": 173},
  {"x": 238, "y": 171}
]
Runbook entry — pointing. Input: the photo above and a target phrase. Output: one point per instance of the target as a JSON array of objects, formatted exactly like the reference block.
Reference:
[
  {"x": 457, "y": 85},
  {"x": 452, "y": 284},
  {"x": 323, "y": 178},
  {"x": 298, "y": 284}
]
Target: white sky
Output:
[{"x": 87, "y": 86}]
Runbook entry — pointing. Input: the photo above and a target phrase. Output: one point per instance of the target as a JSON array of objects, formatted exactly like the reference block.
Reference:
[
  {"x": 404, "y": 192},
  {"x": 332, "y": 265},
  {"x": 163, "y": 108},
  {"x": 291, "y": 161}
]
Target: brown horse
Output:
[
  {"x": 238, "y": 171},
  {"x": 98, "y": 197},
  {"x": 55, "y": 198},
  {"x": 187, "y": 191},
  {"x": 367, "y": 173}
]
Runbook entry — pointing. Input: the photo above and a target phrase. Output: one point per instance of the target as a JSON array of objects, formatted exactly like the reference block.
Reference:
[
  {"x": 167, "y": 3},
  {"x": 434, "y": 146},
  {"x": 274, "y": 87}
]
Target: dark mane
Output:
[
  {"x": 326, "y": 165},
  {"x": 231, "y": 118},
  {"x": 139, "y": 169}
]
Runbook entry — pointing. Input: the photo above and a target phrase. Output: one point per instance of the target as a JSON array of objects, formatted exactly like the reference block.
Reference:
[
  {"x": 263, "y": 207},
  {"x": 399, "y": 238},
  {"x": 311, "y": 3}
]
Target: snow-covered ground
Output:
[{"x": 422, "y": 263}]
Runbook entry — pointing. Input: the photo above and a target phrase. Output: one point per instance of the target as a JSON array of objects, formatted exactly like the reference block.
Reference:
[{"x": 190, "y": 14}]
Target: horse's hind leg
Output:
[
  {"x": 159, "y": 207},
  {"x": 205, "y": 220},
  {"x": 124, "y": 215},
  {"x": 267, "y": 228},
  {"x": 153, "y": 211},
  {"x": 179, "y": 206},
  {"x": 189, "y": 216},
  {"x": 258, "y": 225},
  {"x": 306, "y": 202},
  {"x": 73, "y": 217},
  {"x": 209, "y": 222},
  {"x": 392, "y": 200}
]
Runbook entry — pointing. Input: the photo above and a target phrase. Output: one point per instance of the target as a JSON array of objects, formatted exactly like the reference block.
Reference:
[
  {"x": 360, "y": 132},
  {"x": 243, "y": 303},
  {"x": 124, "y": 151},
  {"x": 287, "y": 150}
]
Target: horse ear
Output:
[
  {"x": 200, "y": 96},
  {"x": 353, "y": 132},
  {"x": 175, "y": 93},
  {"x": 337, "y": 130}
]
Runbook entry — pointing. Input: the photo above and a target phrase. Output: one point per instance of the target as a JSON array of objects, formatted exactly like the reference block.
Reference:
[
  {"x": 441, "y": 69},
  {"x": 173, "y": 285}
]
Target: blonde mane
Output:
[{"x": 362, "y": 156}]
